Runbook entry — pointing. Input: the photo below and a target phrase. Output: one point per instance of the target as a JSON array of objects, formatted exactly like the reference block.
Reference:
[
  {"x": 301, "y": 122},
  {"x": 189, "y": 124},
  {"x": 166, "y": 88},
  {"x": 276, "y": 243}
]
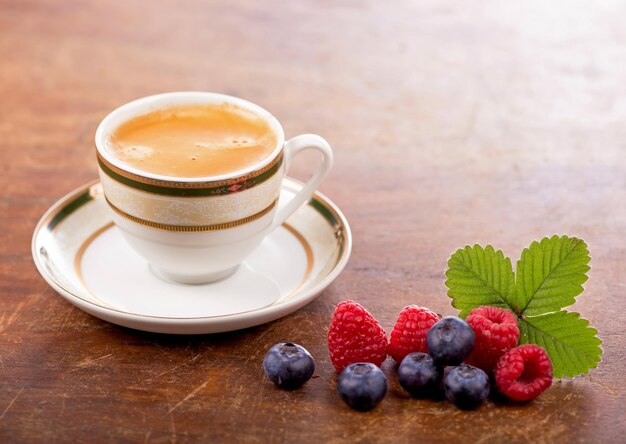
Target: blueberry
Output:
[
  {"x": 419, "y": 375},
  {"x": 362, "y": 386},
  {"x": 450, "y": 341},
  {"x": 466, "y": 386},
  {"x": 288, "y": 365}
]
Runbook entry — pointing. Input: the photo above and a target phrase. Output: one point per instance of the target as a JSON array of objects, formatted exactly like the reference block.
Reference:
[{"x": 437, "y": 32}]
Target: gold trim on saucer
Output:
[
  {"x": 192, "y": 228},
  {"x": 309, "y": 263},
  {"x": 78, "y": 260}
]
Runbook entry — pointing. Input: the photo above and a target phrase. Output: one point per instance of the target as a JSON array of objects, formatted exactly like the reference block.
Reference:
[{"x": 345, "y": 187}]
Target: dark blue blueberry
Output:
[
  {"x": 466, "y": 386},
  {"x": 419, "y": 375},
  {"x": 362, "y": 386},
  {"x": 450, "y": 341},
  {"x": 288, "y": 365}
]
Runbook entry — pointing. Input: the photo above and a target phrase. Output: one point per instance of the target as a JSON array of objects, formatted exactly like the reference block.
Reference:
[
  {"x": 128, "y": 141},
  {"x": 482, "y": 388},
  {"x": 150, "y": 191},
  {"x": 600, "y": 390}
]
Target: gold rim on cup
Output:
[
  {"x": 192, "y": 228},
  {"x": 191, "y": 189}
]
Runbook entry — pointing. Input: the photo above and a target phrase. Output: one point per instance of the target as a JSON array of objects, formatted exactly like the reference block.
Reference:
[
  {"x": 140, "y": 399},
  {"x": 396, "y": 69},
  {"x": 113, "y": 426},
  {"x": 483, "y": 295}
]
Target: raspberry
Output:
[
  {"x": 496, "y": 332},
  {"x": 524, "y": 372},
  {"x": 355, "y": 336},
  {"x": 409, "y": 333}
]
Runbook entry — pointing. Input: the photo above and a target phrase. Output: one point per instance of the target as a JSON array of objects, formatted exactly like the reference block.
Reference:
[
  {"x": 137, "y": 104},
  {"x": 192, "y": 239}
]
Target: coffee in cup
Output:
[{"x": 193, "y": 140}]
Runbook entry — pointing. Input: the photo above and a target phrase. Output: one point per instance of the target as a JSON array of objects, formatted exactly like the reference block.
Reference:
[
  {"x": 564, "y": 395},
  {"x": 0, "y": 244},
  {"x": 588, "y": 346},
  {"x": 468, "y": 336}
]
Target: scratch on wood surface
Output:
[
  {"x": 189, "y": 361},
  {"x": 2, "y": 366},
  {"x": 607, "y": 389},
  {"x": 147, "y": 436},
  {"x": 90, "y": 362},
  {"x": 10, "y": 404},
  {"x": 7, "y": 320},
  {"x": 256, "y": 401},
  {"x": 162, "y": 350},
  {"x": 66, "y": 318},
  {"x": 189, "y": 396},
  {"x": 173, "y": 427}
]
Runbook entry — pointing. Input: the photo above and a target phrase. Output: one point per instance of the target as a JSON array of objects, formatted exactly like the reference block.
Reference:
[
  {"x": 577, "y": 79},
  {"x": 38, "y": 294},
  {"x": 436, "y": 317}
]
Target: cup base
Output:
[{"x": 195, "y": 279}]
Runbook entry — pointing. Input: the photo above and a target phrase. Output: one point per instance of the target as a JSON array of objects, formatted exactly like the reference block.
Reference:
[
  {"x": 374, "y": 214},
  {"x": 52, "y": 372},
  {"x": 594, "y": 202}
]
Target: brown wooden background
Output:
[{"x": 452, "y": 122}]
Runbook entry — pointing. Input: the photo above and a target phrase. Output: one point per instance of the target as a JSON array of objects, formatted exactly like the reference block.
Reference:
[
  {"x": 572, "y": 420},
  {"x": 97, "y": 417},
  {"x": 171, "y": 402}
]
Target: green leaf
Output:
[
  {"x": 550, "y": 275},
  {"x": 572, "y": 345},
  {"x": 479, "y": 276}
]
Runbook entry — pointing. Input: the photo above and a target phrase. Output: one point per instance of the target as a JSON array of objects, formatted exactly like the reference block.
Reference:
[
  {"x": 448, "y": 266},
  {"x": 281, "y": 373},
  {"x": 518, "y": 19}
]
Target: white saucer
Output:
[{"x": 82, "y": 255}]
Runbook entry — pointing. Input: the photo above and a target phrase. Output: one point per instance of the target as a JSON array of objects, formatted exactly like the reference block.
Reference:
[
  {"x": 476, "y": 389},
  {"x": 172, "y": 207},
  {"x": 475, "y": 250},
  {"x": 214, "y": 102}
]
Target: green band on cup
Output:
[{"x": 192, "y": 189}]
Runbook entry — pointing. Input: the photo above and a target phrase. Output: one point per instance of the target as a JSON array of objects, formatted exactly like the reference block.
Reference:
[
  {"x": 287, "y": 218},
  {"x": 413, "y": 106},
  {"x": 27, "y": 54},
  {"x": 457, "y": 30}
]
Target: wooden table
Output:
[{"x": 452, "y": 122}]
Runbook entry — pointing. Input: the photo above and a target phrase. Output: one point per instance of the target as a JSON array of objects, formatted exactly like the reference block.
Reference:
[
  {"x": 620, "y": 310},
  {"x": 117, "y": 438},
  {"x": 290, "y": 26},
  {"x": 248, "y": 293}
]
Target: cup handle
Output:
[{"x": 292, "y": 147}]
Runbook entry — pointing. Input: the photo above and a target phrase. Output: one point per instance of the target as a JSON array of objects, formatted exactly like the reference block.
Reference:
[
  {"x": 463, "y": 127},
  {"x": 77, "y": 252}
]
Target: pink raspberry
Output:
[
  {"x": 496, "y": 332},
  {"x": 409, "y": 333},
  {"x": 355, "y": 336},
  {"x": 524, "y": 372}
]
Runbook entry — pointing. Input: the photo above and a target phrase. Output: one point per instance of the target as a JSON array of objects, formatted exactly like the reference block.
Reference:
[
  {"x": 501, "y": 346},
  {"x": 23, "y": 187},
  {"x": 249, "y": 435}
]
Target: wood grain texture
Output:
[{"x": 452, "y": 122}]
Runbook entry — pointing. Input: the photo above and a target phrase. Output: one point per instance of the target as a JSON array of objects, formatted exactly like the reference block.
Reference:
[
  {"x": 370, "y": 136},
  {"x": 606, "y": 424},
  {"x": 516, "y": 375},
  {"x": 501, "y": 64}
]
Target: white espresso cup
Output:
[{"x": 198, "y": 230}]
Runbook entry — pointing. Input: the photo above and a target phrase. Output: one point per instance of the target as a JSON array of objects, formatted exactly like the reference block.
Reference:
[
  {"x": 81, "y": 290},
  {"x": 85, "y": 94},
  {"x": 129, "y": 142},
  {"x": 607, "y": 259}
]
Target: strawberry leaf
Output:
[
  {"x": 550, "y": 275},
  {"x": 479, "y": 276},
  {"x": 572, "y": 345}
]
